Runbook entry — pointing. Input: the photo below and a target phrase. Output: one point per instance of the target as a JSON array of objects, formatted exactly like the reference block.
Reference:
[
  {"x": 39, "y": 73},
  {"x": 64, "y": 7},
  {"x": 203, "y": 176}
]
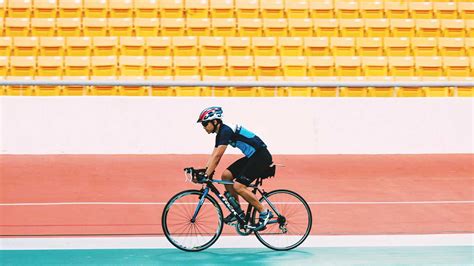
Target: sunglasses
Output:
[{"x": 205, "y": 123}]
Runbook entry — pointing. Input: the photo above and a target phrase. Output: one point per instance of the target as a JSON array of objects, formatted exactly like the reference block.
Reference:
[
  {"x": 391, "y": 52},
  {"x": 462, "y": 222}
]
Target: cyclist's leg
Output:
[
  {"x": 227, "y": 175},
  {"x": 231, "y": 172},
  {"x": 242, "y": 190}
]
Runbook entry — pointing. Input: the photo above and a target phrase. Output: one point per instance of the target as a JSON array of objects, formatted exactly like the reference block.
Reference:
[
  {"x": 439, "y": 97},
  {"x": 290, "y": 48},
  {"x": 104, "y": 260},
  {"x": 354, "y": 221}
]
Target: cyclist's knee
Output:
[
  {"x": 239, "y": 187},
  {"x": 227, "y": 175}
]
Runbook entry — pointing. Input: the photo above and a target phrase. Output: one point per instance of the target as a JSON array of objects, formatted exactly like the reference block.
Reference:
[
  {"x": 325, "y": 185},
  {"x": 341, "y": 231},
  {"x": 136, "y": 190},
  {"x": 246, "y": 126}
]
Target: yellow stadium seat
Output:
[
  {"x": 95, "y": 8},
  {"x": 132, "y": 46},
  {"x": 456, "y": 66},
  {"x": 198, "y": 8},
  {"x": 466, "y": 9},
  {"x": 321, "y": 66},
  {"x": 132, "y": 66},
  {"x": 172, "y": 27},
  {"x": 445, "y": 10},
  {"x": 147, "y": 27},
  {"x": 159, "y": 65},
  {"x": 380, "y": 91},
  {"x": 17, "y": 27},
  {"x": 268, "y": 66},
  {"x": 377, "y": 27},
  {"x": 238, "y": 46},
  {"x": 146, "y": 8},
  {"x": 296, "y": 91},
  {"x": 453, "y": 28},
  {"x": 424, "y": 46},
  {"x": 198, "y": 27},
  {"x": 47, "y": 90},
  {"x": 353, "y": 91},
  {"x": 300, "y": 27},
  {"x": 186, "y": 65},
  {"x": 25, "y": 46},
  {"x": 44, "y": 9},
  {"x": 325, "y": 91},
  {"x": 2, "y": 25},
  {"x": 218, "y": 91},
  {"x": 409, "y": 91},
  {"x": 121, "y": 8},
  {"x": 428, "y": 28},
  {"x": 396, "y": 9},
  {"x": 397, "y": 46},
  {"x": 105, "y": 46},
  {"x": 43, "y": 27},
  {"x": 370, "y": 10},
  {"x": 240, "y": 65},
  {"x": 50, "y": 65},
  {"x": 402, "y": 27},
  {"x": 429, "y": 66},
  {"x": 171, "y": 8},
  {"x": 158, "y": 46},
  {"x": 2, "y": 14},
  {"x": 78, "y": 46},
  {"x": 421, "y": 10},
  {"x": 22, "y": 66},
  {"x": 19, "y": 9},
  {"x": 212, "y": 46},
  {"x": 346, "y": 9},
  {"x": 6, "y": 44},
  {"x": 52, "y": 46},
  {"x": 321, "y": 9},
  {"x": 103, "y": 90},
  {"x": 401, "y": 66},
  {"x": 341, "y": 46},
  {"x": 264, "y": 46},
  {"x": 297, "y": 9},
  {"x": 291, "y": 46},
  {"x": 275, "y": 27},
  {"x": 437, "y": 91},
  {"x": 463, "y": 91},
  {"x": 213, "y": 65},
  {"x": 243, "y": 91},
  {"x": 317, "y": 46},
  {"x": 370, "y": 46},
  {"x": 451, "y": 46},
  {"x": 70, "y": 8},
  {"x": 69, "y": 27},
  {"x": 272, "y": 9},
  {"x": 221, "y": 8},
  {"x": 224, "y": 27},
  {"x": 94, "y": 26},
  {"x": 348, "y": 66},
  {"x": 161, "y": 91},
  {"x": 190, "y": 91},
  {"x": 76, "y": 66},
  {"x": 103, "y": 65},
  {"x": 375, "y": 66},
  {"x": 270, "y": 91},
  {"x": 469, "y": 46},
  {"x": 185, "y": 46},
  {"x": 4, "y": 66},
  {"x": 250, "y": 27},
  {"x": 19, "y": 90},
  {"x": 120, "y": 26},
  {"x": 74, "y": 90},
  {"x": 247, "y": 8},
  {"x": 132, "y": 90},
  {"x": 351, "y": 27},
  {"x": 294, "y": 65},
  {"x": 326, "y": 27},
  {"x": 469, "y": 26}
]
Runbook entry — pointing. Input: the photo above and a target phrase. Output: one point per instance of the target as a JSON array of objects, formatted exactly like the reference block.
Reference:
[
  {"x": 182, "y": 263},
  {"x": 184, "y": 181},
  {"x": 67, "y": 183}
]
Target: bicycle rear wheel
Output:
[
  {"x": 293, "y": 224},
  {"x": 181, "y": 231}
]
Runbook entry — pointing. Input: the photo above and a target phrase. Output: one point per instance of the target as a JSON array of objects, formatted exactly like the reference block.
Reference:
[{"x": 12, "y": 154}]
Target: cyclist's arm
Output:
[{"x": 215, "y": 158}]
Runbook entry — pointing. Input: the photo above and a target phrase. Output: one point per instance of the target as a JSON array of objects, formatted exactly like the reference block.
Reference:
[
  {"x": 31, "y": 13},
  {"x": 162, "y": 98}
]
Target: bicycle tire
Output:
[
  {"x": 269, "y": 233},
  {"x": 195, "y": 195}
]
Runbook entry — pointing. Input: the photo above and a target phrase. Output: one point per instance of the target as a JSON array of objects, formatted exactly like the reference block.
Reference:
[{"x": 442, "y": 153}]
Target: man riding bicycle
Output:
[{"x": 245, "y": 170}]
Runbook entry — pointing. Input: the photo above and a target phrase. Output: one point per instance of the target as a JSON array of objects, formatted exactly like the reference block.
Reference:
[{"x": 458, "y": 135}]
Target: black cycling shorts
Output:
[{"x": 246, "y": 170}]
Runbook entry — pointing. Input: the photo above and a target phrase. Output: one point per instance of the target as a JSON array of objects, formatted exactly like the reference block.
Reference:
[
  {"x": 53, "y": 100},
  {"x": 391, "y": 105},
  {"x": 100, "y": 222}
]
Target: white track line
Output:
[{"x": 310, "y": 203}]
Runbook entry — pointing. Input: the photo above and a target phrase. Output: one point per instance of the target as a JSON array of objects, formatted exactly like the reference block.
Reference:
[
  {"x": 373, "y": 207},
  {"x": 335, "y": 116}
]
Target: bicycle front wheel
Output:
[
  {"x": 186, "y": 234},
  {"x": 291, "y": 224}
]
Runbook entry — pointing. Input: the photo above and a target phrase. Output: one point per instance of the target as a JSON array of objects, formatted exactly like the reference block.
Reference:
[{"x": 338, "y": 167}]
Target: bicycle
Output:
[{"x": 192, "y": 220}]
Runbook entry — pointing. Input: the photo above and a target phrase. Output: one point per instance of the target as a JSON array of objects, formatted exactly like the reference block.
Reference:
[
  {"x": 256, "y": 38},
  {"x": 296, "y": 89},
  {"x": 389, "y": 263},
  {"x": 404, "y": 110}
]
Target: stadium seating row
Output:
[
  {"x": 237, "y": 27},
  {"x": 238, "y": 8},
  {"x": 241, "y": 91},
  {"x": 236, "y": 66},
  {"x": 235, "y": 46}
]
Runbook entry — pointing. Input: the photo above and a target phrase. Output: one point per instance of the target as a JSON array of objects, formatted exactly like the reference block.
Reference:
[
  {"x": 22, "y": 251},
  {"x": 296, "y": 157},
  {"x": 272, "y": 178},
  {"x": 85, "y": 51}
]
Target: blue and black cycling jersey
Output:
[{"x": 240, "y": 137}]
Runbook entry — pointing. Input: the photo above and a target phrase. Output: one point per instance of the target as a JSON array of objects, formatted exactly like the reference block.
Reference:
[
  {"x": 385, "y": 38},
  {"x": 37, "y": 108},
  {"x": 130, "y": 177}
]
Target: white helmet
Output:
[{"x": 210, "y": 113}]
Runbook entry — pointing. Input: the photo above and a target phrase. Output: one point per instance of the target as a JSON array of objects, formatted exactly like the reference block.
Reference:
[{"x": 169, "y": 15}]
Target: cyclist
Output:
[{"x": 245, "y": 170}]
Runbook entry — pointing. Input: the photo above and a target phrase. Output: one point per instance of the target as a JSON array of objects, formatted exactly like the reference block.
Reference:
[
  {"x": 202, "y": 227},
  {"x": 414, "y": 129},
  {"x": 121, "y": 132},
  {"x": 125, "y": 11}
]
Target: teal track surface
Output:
[{"x": 457, "y": 255}]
